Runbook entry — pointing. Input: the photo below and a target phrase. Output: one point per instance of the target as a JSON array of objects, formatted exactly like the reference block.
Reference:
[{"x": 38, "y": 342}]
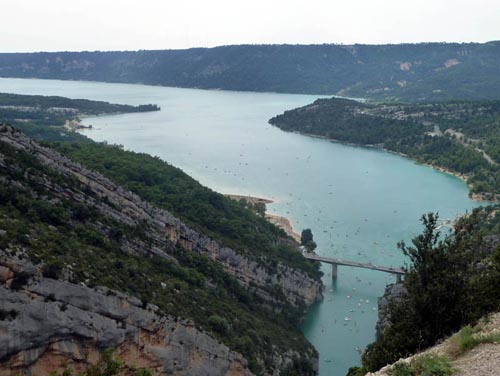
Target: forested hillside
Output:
[
  {"x": 207, "y": 261},
  {"x": 426, "y": 71},
  {"x": 81, "y": 228}
]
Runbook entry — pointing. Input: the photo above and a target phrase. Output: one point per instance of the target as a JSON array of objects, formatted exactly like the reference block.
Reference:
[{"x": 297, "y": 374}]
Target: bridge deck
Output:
[{"x": 355, "y": 264}]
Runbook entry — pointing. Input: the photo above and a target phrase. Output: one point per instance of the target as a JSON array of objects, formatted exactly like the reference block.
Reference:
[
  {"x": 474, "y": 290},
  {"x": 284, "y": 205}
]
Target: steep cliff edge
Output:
[
  {"x": 81, "y": 231},
  {"x": 129, "y": 209},
  {"x": 470, "y": 352},
  {"x": 49, "y": 323}
]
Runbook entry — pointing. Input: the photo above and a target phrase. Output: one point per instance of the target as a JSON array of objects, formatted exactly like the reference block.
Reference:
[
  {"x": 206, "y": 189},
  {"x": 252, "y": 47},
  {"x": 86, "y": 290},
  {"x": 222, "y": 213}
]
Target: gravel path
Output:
[{"x": 484, "y": 360}]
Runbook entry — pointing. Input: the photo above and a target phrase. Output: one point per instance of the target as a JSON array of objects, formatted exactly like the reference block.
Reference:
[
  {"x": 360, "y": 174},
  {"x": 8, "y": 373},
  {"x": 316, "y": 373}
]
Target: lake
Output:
[{"x": 359, "y": 202}]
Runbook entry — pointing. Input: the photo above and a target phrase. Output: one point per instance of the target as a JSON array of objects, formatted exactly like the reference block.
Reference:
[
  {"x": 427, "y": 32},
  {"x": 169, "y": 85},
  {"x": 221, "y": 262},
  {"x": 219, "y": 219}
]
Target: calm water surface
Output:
[{"x": 359, "y": 202}]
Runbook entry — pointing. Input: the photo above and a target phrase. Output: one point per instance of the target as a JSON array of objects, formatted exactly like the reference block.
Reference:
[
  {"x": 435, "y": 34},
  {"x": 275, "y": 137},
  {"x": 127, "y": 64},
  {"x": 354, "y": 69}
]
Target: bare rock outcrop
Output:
[
  {"x": 50, "y": 324},
  {"x": 393, "y": 293},
  {"x": 47, "y": 323}
]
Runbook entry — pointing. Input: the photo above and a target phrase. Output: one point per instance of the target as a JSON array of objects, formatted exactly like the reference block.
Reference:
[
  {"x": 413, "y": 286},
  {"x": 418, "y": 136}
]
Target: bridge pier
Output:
[{"x": 334, "y": 271}]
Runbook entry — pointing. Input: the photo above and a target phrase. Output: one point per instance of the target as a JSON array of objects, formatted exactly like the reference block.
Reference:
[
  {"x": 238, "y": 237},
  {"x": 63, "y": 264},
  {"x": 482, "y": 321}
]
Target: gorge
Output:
[{"x": 359, "y": 202}]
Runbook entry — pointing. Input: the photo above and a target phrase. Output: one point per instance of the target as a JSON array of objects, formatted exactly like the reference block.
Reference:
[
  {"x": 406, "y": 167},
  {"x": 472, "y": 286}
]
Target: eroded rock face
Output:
[
  {"x": 393, "y": 292},
  {"x": 128, "y": 208},
  {"x": 51, "y": 324},
  {"x": 46, "y": 323}
]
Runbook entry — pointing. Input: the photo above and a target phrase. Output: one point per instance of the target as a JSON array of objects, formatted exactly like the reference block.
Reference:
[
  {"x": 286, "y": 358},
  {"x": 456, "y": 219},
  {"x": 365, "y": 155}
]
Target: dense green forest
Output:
[
  {"x": 74, "y": 239},
  {"x": 460, "y": 136},
  {"x": 54, "y": 105},
  {"x": 451, "y": 282},
  {"x": 411, "y": 72}
]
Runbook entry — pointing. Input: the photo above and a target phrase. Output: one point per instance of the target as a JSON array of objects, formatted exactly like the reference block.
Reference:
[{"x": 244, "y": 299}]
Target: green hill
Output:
[{"x": 426, "y": 71}]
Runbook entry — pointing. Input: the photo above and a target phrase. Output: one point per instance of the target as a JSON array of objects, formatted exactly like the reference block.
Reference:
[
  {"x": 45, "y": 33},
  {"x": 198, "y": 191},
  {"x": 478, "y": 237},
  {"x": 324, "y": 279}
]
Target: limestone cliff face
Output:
[
  {"x": 128, "y": 208},
  {"x": 47, "y": 322},
  {"x": 51, "y": 323},
  {"x": 393, "y": 292}
]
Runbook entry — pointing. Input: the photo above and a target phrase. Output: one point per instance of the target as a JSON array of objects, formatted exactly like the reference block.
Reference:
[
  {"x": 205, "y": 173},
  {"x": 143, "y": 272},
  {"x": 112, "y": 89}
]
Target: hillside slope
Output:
[
  {"x": 78, "y": 230},
  {"x": 470, "y": 352},
  {"x": 425, "y": 71}
]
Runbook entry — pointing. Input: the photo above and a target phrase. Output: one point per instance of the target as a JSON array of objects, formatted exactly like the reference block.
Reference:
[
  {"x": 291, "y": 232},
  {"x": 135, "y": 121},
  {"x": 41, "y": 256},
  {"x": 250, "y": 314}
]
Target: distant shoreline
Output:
[
  {"x": 478, "y": 197},
  {"x": 251, "y": 199}
]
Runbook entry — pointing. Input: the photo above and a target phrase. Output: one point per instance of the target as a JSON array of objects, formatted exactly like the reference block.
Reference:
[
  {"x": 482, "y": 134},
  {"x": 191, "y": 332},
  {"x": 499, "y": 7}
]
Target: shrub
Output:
[
  {"x": 218, "y": 324},
  {"x": 52, "y": 270},
  {"x": 19, "y": 281},
  {"x": 468, "y": 338},
  {"x": 424, "y": 365}
]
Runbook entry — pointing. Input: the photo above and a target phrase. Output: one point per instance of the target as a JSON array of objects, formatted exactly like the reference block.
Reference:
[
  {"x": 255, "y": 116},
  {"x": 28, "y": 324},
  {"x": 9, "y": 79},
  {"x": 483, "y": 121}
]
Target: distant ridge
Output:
[{"x": 407, "y": 72}]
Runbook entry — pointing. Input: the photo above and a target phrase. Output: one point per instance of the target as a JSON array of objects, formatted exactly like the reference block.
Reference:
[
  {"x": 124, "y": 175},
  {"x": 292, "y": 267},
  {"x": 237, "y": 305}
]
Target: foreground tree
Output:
[
  {"x": 451, "y": 281},
  {"x": 306, "y": 239}
]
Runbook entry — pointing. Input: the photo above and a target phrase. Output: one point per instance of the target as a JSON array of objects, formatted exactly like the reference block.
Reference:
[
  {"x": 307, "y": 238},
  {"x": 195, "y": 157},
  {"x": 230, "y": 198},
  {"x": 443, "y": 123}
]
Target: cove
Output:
[{"x": 359, "y": 202}]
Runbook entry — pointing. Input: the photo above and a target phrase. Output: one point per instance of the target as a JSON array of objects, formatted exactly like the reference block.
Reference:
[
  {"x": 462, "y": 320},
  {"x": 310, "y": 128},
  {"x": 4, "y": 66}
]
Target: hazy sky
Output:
[{"x": 54, "y": 25}]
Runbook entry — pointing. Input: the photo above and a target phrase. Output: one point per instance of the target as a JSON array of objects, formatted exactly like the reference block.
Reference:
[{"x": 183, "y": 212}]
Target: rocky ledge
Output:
[
  {"x": 49, "y": 324},
  {"x": 128, "y": 208}
]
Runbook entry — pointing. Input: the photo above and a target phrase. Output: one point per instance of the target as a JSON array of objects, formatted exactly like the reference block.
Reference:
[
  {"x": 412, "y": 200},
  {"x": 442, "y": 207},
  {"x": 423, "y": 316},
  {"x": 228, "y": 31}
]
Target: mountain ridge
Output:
[{"x": 411, "y": 72}]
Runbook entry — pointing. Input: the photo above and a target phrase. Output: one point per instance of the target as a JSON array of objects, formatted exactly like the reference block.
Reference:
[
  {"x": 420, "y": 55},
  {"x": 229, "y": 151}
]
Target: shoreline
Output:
[
  {"x": 478, "y": 197},
  {"x": 285, "y": 224},
  {"x": 278, "y": 220},
  {"x": 251, "y": 199}
]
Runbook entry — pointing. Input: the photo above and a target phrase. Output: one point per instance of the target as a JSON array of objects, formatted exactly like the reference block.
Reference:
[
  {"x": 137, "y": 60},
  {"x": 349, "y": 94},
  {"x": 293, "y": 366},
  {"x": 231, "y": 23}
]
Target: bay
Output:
[{"x": 359, "y": 202}]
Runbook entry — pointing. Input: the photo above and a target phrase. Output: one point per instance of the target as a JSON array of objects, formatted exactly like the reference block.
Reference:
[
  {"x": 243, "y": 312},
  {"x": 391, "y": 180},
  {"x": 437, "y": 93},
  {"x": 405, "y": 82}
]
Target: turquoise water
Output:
[{"x": 359, "y": 202}]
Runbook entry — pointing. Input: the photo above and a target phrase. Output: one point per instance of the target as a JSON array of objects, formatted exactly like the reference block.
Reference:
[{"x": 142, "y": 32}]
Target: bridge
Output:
[{"x": 335, "y": 262}]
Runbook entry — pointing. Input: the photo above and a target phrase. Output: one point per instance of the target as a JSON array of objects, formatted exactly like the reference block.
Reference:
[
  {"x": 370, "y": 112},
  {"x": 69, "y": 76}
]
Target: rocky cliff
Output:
[
  {"x": 393, "y": 293},
  {"x": 167, "y": 230},
  {"x": 49, "y": 319},
  {"x": 48, "y": 323}
]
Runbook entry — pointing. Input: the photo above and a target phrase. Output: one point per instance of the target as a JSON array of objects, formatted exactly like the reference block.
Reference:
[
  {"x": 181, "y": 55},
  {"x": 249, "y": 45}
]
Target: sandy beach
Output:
[
  {"x": 285, "y": 224},
  {"x": 278, "y": 220}
]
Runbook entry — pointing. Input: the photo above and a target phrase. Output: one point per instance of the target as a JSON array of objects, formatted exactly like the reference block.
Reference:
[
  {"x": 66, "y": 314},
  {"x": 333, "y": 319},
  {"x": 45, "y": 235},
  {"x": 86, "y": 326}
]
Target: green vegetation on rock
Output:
[
  {"x": 73, "y": 239},
  {"x": 205, "y": 210},
  {"x": 424, "y": 365},
  {"x": 452, "y": 281}
]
